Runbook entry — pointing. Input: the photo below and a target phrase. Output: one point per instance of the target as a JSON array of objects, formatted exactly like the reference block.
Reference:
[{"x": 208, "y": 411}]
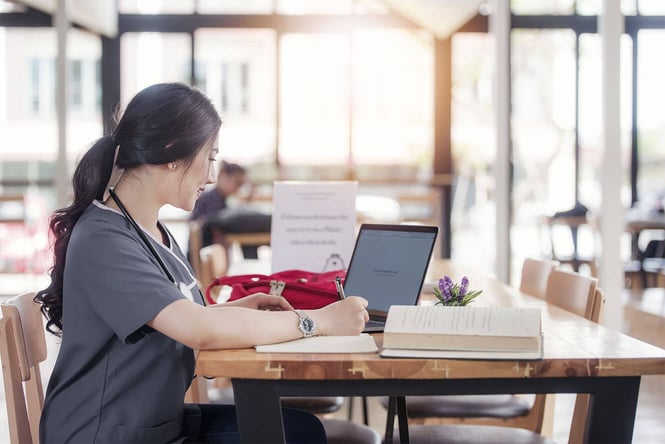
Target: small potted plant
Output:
[{"x": 453, "y": 294}]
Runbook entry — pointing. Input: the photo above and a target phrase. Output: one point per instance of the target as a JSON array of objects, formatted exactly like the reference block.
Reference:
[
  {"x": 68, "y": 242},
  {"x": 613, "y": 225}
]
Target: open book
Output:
[
  {"x": 362, "y": 343},
  {"x": 463, "y": 332}
]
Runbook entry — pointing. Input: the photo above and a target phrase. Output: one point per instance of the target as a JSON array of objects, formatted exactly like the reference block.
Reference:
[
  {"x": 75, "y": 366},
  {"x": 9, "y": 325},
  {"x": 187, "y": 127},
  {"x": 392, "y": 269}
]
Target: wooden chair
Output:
[
  {"x": 570, "y": 291},
  {"x": 194, "y": 246},
  {"x": 573, "y": 224},
  {"x": 23, "y": 349},
  {"x": 19, "y": 425},
  {"x": 214, "y": 262},
  {"x": 534, "y": 276},
  {"x": 577, "y": 434}
]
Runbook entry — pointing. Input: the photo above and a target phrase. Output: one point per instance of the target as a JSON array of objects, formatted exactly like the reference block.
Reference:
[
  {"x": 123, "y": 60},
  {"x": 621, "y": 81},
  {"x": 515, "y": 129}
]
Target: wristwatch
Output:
[{"x": 306, "y": 324}]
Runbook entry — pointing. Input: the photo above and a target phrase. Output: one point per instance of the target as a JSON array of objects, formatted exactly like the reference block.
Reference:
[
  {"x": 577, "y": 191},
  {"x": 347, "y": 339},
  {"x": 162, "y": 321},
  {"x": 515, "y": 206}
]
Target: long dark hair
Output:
[{"x": 161, "y": 124}]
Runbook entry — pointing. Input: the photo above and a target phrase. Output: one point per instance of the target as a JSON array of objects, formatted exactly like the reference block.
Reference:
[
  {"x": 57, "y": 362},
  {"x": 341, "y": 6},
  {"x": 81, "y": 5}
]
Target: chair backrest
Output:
[
  {"x": 28, "y": 341},
  {"x": 194, "y": 247},
  {"x": 214, "y": 262},
  {"x": 571, "y": 291},
  {"x": 19, "y": 426},
  {"x": 534, "y": 276},
  {"x": 578, "y": 294},
  {"x": 578, "y": 424}
]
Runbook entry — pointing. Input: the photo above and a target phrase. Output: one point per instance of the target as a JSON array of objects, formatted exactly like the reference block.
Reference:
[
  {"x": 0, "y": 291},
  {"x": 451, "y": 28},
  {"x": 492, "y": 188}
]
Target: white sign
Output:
[{"x": 313, "y": 225}]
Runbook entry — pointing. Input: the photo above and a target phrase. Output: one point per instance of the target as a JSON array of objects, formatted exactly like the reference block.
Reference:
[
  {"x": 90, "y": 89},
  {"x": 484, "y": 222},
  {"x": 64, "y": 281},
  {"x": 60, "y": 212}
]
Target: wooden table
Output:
[
  {"x": 638, "y": 220},
  {"x": 579, "y": 357}
]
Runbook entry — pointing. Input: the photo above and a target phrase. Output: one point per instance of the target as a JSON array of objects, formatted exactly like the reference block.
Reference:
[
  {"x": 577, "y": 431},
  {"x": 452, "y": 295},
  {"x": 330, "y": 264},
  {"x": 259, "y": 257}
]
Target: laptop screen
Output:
[{"x": 389, "y": 263}]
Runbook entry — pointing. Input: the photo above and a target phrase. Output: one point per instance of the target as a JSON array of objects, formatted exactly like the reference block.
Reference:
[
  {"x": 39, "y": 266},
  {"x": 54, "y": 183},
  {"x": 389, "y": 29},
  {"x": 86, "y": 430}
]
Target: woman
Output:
[{"x": 125, "y": 300}]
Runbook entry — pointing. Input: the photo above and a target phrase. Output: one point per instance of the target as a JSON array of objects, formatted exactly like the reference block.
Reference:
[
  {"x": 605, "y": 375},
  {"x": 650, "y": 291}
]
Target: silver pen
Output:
[{"x": 340, "y": 289}]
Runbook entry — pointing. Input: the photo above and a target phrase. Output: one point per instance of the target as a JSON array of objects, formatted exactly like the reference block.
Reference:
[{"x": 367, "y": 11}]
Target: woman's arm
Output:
[{"x": 203, "y": 328}]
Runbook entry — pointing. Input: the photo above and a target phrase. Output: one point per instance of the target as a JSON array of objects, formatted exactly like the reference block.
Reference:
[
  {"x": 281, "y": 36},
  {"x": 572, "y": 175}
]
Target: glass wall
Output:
[
  {"x": 236, "y": 69},
  {"x": 29, "y": 137},
  {"x": 314, "y": 99},
  {"x": 651, "y": 119},
  {"x": 473, "y": 150},
  {"x": 151, "y": 57}
]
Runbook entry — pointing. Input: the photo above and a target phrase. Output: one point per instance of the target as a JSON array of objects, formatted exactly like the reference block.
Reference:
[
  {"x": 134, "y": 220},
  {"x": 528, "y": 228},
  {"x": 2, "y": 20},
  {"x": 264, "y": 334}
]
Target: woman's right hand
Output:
[{"x": 342, "y": 318}]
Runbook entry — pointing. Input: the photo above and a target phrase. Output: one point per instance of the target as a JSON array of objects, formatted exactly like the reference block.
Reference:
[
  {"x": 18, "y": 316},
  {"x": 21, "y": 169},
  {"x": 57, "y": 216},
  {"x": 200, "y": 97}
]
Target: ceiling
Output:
[{"x": 441, "y": 17}]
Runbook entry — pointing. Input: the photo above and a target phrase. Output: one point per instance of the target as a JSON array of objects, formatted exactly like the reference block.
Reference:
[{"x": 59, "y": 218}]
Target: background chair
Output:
[
  {"x": 19, "y": 425},
  {"x": 534, "y": 276},
  {"x": 574, "y": 225},
  {"x": 23, "y": 350},
  {"x": 213, "y": 263}
]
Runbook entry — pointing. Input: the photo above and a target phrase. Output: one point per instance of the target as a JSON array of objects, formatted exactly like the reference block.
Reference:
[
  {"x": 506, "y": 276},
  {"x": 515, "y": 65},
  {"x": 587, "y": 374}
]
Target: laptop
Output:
[{"x": 388, "y": 267}]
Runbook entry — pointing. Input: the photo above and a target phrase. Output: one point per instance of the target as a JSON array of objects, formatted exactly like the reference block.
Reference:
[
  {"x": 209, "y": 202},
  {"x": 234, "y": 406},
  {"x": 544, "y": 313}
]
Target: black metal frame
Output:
[{"x": 610, "y": 419}]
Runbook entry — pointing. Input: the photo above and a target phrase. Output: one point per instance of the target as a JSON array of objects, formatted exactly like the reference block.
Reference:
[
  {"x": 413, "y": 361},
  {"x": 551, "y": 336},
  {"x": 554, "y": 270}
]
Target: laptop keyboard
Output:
[{"x": 373, "y": 325}]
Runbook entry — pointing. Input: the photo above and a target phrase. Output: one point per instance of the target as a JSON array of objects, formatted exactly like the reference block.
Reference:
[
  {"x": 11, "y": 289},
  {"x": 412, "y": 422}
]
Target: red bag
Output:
[{"x": 303, "y": 289}]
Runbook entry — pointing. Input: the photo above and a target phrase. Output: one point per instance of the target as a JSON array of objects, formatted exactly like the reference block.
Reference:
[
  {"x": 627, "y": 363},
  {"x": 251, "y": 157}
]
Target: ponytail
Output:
[{"x": 89, "y": 182}]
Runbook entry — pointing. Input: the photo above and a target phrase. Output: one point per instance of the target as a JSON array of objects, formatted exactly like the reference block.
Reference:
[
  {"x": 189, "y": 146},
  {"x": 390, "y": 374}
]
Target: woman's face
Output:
[{"x": 194, "y": 179}]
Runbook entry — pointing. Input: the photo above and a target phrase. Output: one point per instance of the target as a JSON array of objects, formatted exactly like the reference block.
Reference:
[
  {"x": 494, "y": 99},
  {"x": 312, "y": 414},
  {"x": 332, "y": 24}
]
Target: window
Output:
[
  {"x": 236, "y": 69},
  {"x": 650, "y": 117},
  {"x": 156, "y": 6},
  {"x": 542, "y": 7},
  {"x": 314, "y": 81},
  {"x": 590, "y": 120},
  {"x": 393, "y": 89},
  {"x": 150, "y": 57},
  {"x": 235, "y": 6}
]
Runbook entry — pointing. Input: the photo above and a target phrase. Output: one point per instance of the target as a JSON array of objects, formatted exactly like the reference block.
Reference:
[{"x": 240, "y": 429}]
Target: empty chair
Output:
[
  {"x": 23, "y": 348},
  {"x": 571, "y": 291},
  {"x": 573, "y": 224},
  {"x": 213, "y": 263},
  {"x": 534, "y": 276}
]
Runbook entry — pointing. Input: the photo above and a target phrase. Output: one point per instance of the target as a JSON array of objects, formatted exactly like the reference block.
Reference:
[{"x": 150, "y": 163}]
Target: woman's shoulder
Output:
[{"x": 98, "y": 219}]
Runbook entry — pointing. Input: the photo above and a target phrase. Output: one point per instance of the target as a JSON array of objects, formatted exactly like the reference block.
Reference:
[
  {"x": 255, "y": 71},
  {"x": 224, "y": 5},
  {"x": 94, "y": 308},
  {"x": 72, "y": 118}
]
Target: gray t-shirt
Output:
[{"x": 115, "y": 378}]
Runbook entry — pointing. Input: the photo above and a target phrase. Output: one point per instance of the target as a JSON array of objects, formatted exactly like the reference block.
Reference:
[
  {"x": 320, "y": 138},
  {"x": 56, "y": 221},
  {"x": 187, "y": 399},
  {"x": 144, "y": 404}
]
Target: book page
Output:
[
  {"x": 490, "y": 355},
  {"x": 362, "y": 343},
  {"x": 483, "y": 321}
]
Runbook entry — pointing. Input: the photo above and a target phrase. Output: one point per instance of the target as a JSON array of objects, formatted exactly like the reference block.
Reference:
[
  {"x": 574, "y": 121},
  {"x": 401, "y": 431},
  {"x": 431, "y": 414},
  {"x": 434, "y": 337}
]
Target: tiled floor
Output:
[{"x": 649, "y": 423}]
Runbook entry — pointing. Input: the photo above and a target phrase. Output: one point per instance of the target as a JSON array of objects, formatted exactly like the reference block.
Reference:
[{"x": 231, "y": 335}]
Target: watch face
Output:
[{"x": 308, "y": 325}]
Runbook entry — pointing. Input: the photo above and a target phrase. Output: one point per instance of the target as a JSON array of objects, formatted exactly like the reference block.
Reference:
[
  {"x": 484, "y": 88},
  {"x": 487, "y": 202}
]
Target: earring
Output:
[{"x": 173, "y": 166}]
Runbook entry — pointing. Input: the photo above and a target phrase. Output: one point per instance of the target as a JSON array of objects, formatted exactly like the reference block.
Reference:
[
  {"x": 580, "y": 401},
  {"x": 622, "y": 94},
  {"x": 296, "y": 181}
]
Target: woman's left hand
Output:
[{"x": 261, "y": 301}]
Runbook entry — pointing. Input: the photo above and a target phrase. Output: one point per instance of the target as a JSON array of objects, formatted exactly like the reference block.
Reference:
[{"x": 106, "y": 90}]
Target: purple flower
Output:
[
  {"x": 452, "y": 294},
  {"x": 464, "y": 287},
  {"x": 445, "y": 285}
]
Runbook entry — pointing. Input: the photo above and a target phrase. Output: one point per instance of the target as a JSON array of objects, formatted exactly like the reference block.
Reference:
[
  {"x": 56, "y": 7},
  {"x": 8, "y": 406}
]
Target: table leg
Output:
[
  {"x": 390, "y": 420},
  {"x": 612, "y": 407},
  {"x": 258, "y": 399},
  {"x": 403, "y": 420}
]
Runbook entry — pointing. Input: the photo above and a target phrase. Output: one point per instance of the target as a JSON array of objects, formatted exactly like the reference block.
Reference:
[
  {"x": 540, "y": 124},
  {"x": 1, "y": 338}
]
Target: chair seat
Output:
[
  {"x": 471, "y": 434},
  {"x": 340, "y": 431},
  {"x": 314, "y": 404},
  {"x": 465, "y": 406}
]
